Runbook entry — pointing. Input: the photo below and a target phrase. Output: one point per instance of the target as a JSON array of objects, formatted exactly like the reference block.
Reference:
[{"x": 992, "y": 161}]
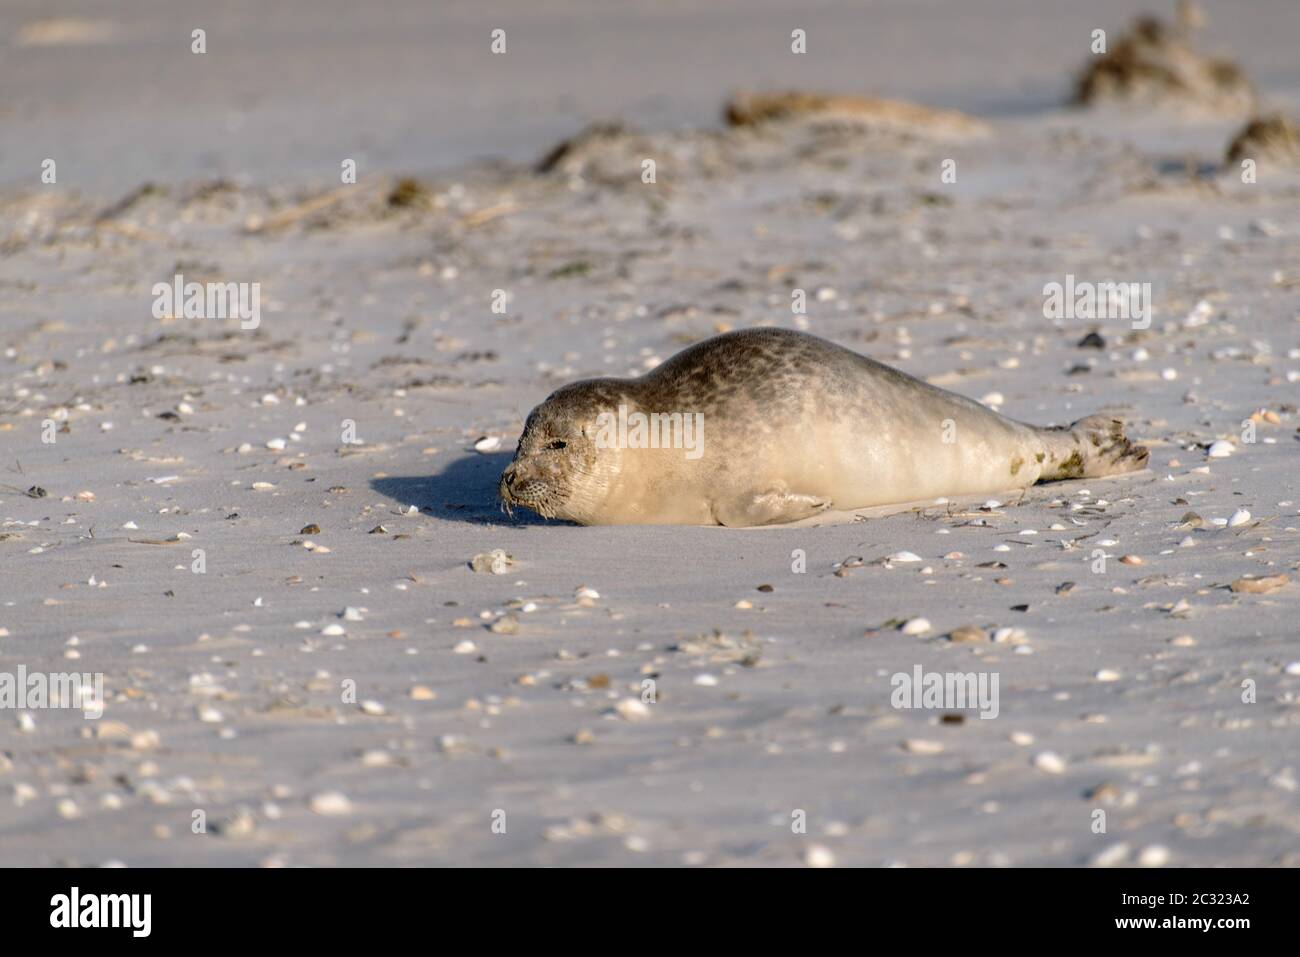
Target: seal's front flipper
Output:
[{"x": 768, "y": 508}]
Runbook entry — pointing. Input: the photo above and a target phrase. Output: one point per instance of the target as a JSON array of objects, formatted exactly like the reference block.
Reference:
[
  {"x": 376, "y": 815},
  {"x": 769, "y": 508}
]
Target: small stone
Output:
[
  {"x": 1156, "y": 855},
  {"x": 1131, "y": 559},
  {"x": 1011, "y": 636},
  {"x": 904, "y": 557},
  {"x": 1239, "y": 517},
  {"x": 915, "y": 626},
  {"x": 968, "y": 634},
  {"x": 1260, "y": 585},
  {"x": 312, "y": 529},
  {"x": 333, "y": 630},
  {"x": 422, "y": 693},
  {"x": 632, "y": 709},
  {"x": 465, "y": 647},
  {"x": 1106, "y": 674},
  {"x": 373, "y": 708},
  {"x": 1220, "y": 450},
  {"x": 1049, "y": 762},
  {"x": 330, "y": 803},
  {"x": 488, "y": 443},
  {"x": 922, "y": 746},
  {"x": 818, "y": 855},
  {"x": 1112, "y": 856},
  {"x": 496, "y": 562}
]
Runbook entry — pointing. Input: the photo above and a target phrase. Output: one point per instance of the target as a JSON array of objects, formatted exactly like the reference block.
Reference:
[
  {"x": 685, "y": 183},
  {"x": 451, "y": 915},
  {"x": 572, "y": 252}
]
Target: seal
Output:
[{"x": 765, "y": 426}]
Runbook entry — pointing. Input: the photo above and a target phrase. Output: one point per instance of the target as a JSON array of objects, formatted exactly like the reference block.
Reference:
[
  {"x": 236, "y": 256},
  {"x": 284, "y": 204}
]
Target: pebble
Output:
[
  {"x": 706, "y": 680},
  {"x": 330, "y": 803},
  {"x": 1260, "y": 585},
  {"x": 1008, "y": 635},
  {"x": 1220, "y": 450},
  {"x": 632, "y": 709},
  {"x": 922, "y": 746},
  {"x": 465, "y": 647},
  {"x": 1239, "y": 517},
  {"x": 488, "y": 443},
  {"x": 1112, "y": 856},
  {"x": 496, "y": 562},
  {"x": 1049, "y": 762},
  {"x": 422, "y": 693},
  {"x": 904, "y": 557},
  {"x": 1106, "y": 674},
  {"x": 1156, "y": 855},
  {"x": 1293, "y": 668},
  {"x": 968, "y": 634},
  {"x": 373, "y": 708},
  {"x": 916, "y": 626},
  {"x": 818, "y": 855},
  {"x": 333, "y": 630}
]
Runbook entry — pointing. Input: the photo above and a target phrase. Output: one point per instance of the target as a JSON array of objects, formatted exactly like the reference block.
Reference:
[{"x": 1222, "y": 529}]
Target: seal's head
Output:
[{"x": 560, "y": 470}]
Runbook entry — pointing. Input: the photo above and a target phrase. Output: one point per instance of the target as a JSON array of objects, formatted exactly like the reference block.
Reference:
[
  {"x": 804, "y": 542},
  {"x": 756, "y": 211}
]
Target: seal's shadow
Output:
[{"x": 464, "y": 491}]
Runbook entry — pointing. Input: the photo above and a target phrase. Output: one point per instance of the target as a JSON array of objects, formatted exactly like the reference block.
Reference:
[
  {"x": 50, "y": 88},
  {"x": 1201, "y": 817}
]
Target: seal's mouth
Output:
[{"x": 527, "y": 493}]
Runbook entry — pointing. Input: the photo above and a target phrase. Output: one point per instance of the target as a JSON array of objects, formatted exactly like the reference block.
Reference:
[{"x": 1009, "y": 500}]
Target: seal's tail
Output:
[{"x": 1090, "y": 448}]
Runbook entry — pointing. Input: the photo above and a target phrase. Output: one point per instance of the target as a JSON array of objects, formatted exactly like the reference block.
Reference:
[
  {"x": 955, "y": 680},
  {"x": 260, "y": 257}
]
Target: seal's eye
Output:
[{"x": 558, "y": 444}]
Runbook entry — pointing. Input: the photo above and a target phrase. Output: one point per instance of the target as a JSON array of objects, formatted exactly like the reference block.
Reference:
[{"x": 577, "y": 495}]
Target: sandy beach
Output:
[{"x": 260, "y": 533}]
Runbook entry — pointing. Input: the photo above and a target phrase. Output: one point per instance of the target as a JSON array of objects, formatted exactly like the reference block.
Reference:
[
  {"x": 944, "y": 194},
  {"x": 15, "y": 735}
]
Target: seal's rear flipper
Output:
[{"x": 1090, "y": 448}]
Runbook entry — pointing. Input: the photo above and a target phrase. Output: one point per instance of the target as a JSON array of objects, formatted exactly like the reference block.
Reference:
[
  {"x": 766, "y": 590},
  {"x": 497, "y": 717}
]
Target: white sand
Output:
[{"x": 382, "y": 317}]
